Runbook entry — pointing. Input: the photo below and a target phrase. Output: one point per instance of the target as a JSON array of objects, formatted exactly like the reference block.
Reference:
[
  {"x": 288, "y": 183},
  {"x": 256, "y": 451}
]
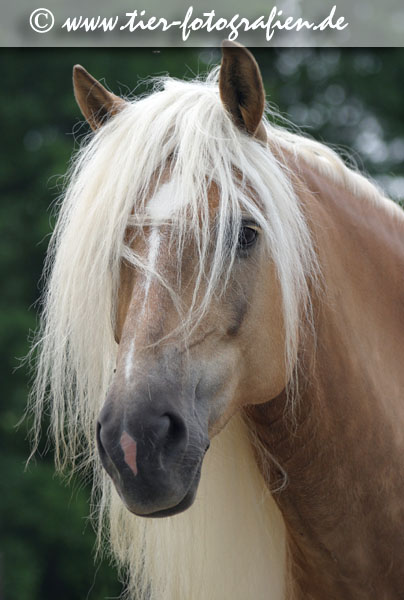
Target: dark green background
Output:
[{"x": 353, "y": 98}]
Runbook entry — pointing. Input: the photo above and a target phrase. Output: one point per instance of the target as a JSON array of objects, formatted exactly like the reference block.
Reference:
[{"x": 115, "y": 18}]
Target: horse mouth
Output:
[
  {"x": 125, "y": 485},
  {"x": 181, "y": 506},
  {"x": 156, "y": 468}
]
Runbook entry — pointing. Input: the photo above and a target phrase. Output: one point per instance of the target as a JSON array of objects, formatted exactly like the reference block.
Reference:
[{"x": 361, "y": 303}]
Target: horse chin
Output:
[
  {"x": 183, "y": 505},
  {"x": 172, "y": 508}
]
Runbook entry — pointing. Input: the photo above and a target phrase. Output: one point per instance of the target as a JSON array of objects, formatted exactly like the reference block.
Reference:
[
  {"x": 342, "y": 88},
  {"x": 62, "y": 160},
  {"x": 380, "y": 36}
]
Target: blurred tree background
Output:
[{"x": 351, "y": 98}]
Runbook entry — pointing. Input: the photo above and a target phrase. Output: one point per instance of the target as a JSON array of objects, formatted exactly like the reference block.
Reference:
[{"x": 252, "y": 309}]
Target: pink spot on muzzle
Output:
[{"x": 128, "y": 446}]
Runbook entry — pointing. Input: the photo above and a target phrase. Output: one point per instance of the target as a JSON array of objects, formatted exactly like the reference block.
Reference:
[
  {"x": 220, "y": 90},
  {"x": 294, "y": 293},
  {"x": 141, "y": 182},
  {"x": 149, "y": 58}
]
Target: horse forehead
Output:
[{"x": 166, "y": 201}]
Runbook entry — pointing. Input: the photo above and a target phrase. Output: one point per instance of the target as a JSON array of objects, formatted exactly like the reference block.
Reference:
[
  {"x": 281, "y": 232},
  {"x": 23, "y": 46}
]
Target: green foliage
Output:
[{"x": 347, "y": 97}]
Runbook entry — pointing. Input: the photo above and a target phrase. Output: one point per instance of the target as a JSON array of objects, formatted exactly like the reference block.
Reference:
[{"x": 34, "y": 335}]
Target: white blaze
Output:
[
  {"x": 154, "y": 244},
  {"x": 153, "y": 249},
  {"x": 165, "y": 203}
]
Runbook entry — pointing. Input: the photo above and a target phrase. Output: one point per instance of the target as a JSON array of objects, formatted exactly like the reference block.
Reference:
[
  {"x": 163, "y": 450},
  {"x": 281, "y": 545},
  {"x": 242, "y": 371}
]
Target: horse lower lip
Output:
[{"x": 185, "y": 502}]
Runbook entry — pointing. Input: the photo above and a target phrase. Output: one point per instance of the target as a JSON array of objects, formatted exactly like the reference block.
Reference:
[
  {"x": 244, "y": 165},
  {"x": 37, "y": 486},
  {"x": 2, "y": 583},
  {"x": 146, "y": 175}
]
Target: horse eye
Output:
[{"x": 247, "y": 237}]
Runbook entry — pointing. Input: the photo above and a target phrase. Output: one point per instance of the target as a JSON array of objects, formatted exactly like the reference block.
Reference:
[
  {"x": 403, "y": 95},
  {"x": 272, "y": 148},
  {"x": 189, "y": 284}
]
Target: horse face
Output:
[
  {"x": 169, "y": 394},
  {"x": 172, "y": 392}
]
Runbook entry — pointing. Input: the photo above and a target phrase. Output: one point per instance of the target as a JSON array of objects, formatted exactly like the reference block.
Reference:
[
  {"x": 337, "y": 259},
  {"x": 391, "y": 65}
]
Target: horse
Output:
[{"x": 214, "y": 280}]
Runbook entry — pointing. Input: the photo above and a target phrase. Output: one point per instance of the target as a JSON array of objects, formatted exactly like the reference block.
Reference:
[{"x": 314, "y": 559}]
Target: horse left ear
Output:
[
  {"x": 96, "y": 103},
  {"x": 241, "y": 88}
]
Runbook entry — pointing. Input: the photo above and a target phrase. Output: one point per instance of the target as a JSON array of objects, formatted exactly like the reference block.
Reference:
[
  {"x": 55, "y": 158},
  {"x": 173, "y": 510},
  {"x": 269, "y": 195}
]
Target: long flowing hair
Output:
[{"x": 183, "y": 125}]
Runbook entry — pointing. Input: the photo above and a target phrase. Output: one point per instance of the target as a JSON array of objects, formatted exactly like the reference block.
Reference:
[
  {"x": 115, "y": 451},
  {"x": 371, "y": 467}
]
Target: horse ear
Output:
[
  {"x": 96, "y": 103},
  {"x": 241, "y": 88}
]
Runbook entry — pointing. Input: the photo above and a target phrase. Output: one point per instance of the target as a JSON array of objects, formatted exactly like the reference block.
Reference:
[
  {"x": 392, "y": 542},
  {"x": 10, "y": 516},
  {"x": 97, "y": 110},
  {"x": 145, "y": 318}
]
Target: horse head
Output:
[{"x": 189, "y": 356}]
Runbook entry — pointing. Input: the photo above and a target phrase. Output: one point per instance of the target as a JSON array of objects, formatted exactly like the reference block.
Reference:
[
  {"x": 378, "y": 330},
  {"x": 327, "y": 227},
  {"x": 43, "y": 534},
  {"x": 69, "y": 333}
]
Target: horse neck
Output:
[{"x": 344, "y": 454}]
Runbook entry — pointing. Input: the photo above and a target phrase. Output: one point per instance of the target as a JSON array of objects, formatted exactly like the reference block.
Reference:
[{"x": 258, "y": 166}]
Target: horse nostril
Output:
[
  {"x": 101, "y": 449},
  {"x": 176, "y": 431},
  {"x": 107, "y": 460}
]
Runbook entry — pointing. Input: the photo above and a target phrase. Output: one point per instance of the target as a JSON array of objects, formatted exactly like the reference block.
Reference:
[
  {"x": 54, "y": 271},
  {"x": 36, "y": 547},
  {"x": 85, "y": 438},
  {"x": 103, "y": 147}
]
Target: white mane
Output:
[{"x": 183, "y": 125}]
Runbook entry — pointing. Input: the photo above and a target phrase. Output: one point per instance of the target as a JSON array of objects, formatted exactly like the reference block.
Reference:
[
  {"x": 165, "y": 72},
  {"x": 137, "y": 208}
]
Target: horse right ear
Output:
[
  {"x": 96, "y": 103},
  {"x": 241, "y": 89}
]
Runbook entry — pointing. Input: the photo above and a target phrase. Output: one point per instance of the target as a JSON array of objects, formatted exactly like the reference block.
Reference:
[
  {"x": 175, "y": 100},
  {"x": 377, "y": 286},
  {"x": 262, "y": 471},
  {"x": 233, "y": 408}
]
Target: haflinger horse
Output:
[{"x": 214, "y": 279}]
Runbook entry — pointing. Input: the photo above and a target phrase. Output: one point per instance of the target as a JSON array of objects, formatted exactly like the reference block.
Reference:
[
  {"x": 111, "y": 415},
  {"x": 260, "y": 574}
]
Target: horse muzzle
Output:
[{"x": 153, "y": 454}]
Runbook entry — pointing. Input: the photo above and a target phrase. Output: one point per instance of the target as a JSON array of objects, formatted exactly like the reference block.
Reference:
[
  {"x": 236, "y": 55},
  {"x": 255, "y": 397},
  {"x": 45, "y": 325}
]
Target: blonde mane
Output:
[
  {"x": 326, "y": 161},
  {"x": 196, "y": 555}
]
